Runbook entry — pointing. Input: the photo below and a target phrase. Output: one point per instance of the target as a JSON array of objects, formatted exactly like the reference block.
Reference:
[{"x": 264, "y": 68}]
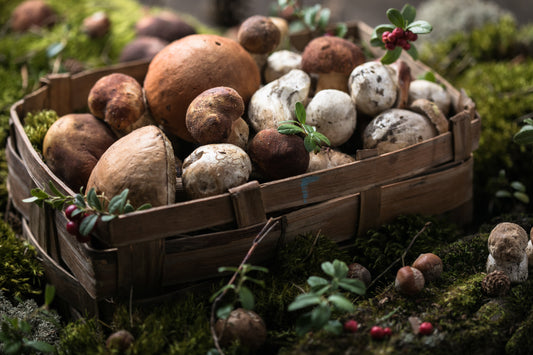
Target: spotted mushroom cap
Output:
[
  {"x": 329, "y": 54},
  {"x": 507, "y": 242}
]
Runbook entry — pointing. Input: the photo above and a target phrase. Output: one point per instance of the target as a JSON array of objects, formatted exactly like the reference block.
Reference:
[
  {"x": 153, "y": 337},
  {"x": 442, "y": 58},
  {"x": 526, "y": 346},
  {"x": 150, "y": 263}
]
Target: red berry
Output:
[
  {"x": 411, "y": 36},
  {"x": 83, "y": 238},
  {"x": 351, "y": 326},
  {"x": 376, "y": 332},
  {"x": 398, "y": 32},
  {"x": 387, "y": 332},
  {"x": 73, "y": 227},
  {"x": 407, "y": 46},
  {"x": 426, "y": 328},
  {"x": 69, "y": 210}
]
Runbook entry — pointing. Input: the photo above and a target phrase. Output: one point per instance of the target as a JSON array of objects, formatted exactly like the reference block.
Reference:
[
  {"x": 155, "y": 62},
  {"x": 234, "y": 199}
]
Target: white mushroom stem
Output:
[
  {"x": 529, "y": 252},
  {"x": 336, "y": 81},
  {"x": 517, "y": 272}
]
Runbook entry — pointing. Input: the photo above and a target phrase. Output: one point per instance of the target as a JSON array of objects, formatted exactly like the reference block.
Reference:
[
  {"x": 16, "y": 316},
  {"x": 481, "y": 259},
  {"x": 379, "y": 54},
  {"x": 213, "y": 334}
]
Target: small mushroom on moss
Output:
[
  {"x": 211, "y": 114},
  {"x": 278, "y": 155},
  {"x": 425, "y": 89},
  {"x": 332, "y": 59},
  {"x": 139, "y": 48},
  {"x": 142, "y": 161},
  {"x": 359, "y": 272},
  {"x": 212, "y": 169},
  {"x": 243, "y": 325},
  {"x": 165, "y": 25},
  {"x": 409, "y": 281},
  {"x": 120, "y": 341},
  {"x": 507, "y": 247},
  {"x": 373, "y": 87},
  {"x": 496, "y": 283},
  {"x": 117, "y": 99},
  {"x": 32, "y": 13},
  {"x": 328, "y": 158},
  {"x": 97, "y": 25},
  {"x": 395, "y": 128},
  {"x": 430, "y": 265},
  {"x": 275, "y": 102},
  {"x": 333, "y": 114},
  {"x": 73, "y": 145},
  {"x": 280, "y": 63}
]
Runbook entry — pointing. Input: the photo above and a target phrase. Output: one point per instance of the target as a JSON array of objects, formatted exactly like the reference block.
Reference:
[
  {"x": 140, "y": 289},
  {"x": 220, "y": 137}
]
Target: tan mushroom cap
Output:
[
  {"x": 187, "y": 67},
  {"x": 329, "y": 54},
  {"x": 507, "y": 242},
  {"x": 258, "y": 34},
  {"x": 32, "y": 13}
]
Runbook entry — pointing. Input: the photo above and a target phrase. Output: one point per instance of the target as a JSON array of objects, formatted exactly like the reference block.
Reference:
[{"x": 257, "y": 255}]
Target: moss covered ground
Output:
[{"x": 492, "y": 64}]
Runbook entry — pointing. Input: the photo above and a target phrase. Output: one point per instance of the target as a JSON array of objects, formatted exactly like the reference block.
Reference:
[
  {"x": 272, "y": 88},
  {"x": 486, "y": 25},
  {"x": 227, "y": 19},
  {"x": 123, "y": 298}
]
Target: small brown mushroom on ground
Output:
[
  {"x": 211, "y": 114},
  {"x": 333, "y": 114},
  {"x": 73, "y": 145},
  {"x": 430, "y": 265},
  {"x": 328, "y": 158},
  {"x": 258, "y": 34},
  {"x": 97, "y": 25},
  {"x": 424, "y": 89},
  {"x": 32, "y": 13},
  {"x": 373, "y": 87},
  {"x": 275, "y": 102},
  {"x": 165, "y": 25},
  {"x": 117, "y": 99},
  {"x": 278, "y": 155},
  {"x": 212, "y": 169},
  {"x": 142, "y": 161},
  {"x": 187, "y": 67},
  {"x": 280, "y": 63},
  {"x": 359, "y": 272},
  {"x": 332, "y": 59},
  {"x": 409, "y": 281},
  {"x": 120, "y": 341},
  {"x": 507, "y": 247},
  {"x": 243, "y": 325},
  {"x": 144, "y": 47},
  {"x": 395, "y": 128}
]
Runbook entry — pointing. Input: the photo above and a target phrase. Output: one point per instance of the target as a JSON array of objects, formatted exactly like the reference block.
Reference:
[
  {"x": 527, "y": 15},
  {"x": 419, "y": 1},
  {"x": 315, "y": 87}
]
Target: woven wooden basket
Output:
[{"x": 152, "y": 253}]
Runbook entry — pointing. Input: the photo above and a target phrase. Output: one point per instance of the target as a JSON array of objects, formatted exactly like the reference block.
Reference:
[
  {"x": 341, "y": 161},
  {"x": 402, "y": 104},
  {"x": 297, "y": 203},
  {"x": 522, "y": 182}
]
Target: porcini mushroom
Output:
[
  {"x": 333, "y": 114},
  {"x": 117, "y": 99},
  {"x": 258, "y": 34},
  {"x": 142, "y": 161},
  {"x": 409, "y": 281},
  {"x": 395, "y": 128},
  {"x": 425, "y": 89},
  {"x": 328, "y": 158},
  {"x": 507, "y": 247},
  {"x": 275, "y": 102},
  {"x": 280, "y": 63},
  {"x": 332, "y": 59},
  {"x": 243, "y": 325},
  {"x": 278, "y": 155},
  {"x": 32, "y": 13},
  {"x": 165, "y": 25},
  {"x": 97, "y": 25},
  {"x": 72, "y": 146},
  {"x": 373, "y": 87},
  {"x": 144, "y": 47},
  {"x": 430, "y": 265},
  {"x": 187, "y": 67},
  {"x": 214, "y": 168},
  {"x": 211, "y": 114}
]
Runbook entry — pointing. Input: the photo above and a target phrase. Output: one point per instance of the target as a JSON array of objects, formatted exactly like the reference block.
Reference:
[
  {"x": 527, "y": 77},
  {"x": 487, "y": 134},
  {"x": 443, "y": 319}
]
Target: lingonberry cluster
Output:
[
  {"x": 398, "y": 38},
  {"x": 75, "y": 218}
]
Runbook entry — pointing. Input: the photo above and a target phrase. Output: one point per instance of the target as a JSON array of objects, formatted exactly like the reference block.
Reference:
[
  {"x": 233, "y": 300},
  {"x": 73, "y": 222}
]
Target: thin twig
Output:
[{"x": 258, "y": 238}]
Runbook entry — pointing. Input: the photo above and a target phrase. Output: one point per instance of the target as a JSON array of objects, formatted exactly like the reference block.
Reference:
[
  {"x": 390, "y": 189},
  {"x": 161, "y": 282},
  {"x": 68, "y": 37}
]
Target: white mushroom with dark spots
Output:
[
  {"x": 425, "y": 89},
  {"x": 280, "y": 63}
]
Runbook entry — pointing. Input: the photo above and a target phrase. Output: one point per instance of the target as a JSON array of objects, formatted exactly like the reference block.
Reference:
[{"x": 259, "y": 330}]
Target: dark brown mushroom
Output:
[
  {"x": 259, "y": 35},
  {"x": 165, "y": 25},
  {"x": 139, "y": 48},
  {"x": 32, "y": 13}
]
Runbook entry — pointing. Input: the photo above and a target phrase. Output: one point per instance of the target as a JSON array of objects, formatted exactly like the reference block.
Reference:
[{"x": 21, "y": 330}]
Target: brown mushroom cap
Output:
[
  {"x": 278, "y": 155},
  {"x": 118, "y": 99},
  {"x": 165, "y": 25},
  {"x": 507, "y": 242},
  {"x": 328, "y": 54},
  {"x": 97, "y": 25},
  {"x": 191, "y": 65},
  {"x": 142, "y": 161},
  {"x": 210, "y": 115},
  {"x": 242, "y": 324},
  {"x": 142, "y": 48},
  {"x": 32, "y": 13},
  {"x": 73, "y": 145},
  {"x": 258, "y": 34}
]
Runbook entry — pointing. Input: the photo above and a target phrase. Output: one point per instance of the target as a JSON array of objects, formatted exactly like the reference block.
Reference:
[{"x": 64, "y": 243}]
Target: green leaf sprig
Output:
[
  {"x": 325, "y": 296},
  {"x": 399, "y": 34},
  {"x": 312, "y": 18},
  {"x": 91, "y": 205},
  {"x": 313, "y": 140}
]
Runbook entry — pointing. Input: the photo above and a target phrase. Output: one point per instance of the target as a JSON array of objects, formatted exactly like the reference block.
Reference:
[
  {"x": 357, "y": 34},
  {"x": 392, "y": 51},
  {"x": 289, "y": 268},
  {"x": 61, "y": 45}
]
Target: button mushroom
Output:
[
  {"x": 280, "y": 63},
  {"x": 187, "y": 67},
  {"x": 333, "y": 114},
  {"x": 118, "y": 99},
  {"x": 214, "y": 168},
  {"x": 424, "y": 89},
  {"x": 395, "y": 128},
  {"x": 373, "y": 87},
  {"x": 142, "y": 161},
  {"x": 72, "y": 146},
  {"x": 275, "y": 102},
  {"x": 332, "y": 59},
  {"x": 507, "y": 247}
]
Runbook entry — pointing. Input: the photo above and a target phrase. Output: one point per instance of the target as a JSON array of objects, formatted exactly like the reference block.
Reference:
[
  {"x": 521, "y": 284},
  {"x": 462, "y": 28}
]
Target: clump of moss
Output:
[
  {"x": 83, "y": 336},
  {"x": 36, "y": 125},
  {"x": 21, "y": 273}
]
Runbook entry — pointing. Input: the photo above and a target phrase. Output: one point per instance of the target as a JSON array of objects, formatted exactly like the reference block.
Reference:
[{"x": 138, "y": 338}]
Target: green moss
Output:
[
  {"x": 521, "y": 341},
  {"x": 84, "y": 336},
  {"x": 36, "y": 125},
  {"x": 21, "y": 273}
]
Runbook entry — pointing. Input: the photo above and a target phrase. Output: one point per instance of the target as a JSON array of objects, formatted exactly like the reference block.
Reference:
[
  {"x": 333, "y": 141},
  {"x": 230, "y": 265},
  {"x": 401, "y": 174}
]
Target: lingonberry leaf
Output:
[
  {"x": 224, "y": 311},
  {"x": 93, "y": 200},
  {"x": 246, "y": 298},
  {"x": 396, "y": 18},
  {"x": 409, "y": 13},
  {"x": 323, "y": 18},
  {"x": 309, "y": 145},
  {"x": 108, "y": 217},
  {"x": 290, "y": 129},
  {"x": 391, "y": 56},
  {"x": 341, "y": 30},
  {"x": 341, "y": 303},
  {"x": 320, "y": 316},
  {"x": 144, "y": 207},
  {"x": 87, "y": 224},
  {"x": 420, "y": 27},
  {"x": 300, "y": 112},
  {"x": 304, "y": 300},
  {"x": 413, "y": 52}
]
